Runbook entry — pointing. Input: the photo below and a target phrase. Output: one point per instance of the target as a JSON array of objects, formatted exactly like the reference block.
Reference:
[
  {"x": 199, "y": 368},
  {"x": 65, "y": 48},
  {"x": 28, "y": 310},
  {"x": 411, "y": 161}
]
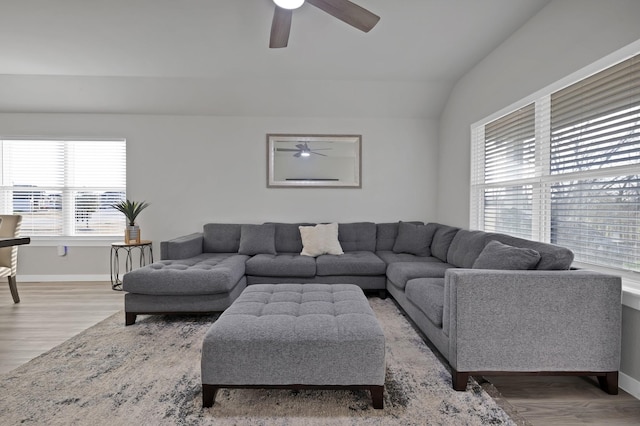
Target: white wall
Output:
[
  {"x": 564, "y": 37},
  {"x": 195, "y": 170}
]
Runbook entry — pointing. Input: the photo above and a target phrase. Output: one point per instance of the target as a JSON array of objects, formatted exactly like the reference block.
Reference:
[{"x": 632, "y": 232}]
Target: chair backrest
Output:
[{"x": 9, "y": 228}]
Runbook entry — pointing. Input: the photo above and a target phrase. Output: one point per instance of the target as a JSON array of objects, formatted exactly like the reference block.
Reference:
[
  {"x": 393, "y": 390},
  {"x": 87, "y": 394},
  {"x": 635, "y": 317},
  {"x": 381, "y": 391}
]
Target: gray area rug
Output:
[{"x": 149, "y": 374}]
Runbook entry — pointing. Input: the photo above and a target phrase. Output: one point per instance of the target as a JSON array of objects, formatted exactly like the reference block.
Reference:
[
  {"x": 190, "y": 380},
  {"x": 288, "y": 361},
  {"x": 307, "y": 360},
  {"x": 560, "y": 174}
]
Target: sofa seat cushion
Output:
[
  {"x": 391, "y": 257},
  {"x": 281, "y": 265},
  {"x": 401, "y": 272},
  {"x": 350, "y": 263},
  {"x": 427, "y": 294},
  {"x": 207, "y": 273}
]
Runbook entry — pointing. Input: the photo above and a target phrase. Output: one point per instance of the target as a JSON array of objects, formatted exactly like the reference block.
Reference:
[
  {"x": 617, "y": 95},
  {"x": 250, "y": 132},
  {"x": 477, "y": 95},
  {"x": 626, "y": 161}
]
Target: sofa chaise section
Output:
[{"x": 197, "y": 273}]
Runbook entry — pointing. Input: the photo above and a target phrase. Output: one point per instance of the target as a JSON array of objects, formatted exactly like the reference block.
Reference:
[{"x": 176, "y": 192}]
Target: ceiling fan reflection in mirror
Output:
[
  {"x": 344, "y": 10},
  {"x": 303, "y": 150}
]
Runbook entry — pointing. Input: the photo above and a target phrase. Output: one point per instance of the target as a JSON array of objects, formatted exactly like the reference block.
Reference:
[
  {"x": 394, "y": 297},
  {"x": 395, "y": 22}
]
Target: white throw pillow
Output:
[{"x": 320, "y": 239}]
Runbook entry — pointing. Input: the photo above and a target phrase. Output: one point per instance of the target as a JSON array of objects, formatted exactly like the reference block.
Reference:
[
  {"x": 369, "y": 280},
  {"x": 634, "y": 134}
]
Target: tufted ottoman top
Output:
[
  {"x": 331, "y": 304},
  {"x": 296, "y": 333}
]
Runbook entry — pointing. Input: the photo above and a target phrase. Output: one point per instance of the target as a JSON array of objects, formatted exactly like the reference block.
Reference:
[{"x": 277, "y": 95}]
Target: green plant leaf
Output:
[{"x": 130, "y": 209}]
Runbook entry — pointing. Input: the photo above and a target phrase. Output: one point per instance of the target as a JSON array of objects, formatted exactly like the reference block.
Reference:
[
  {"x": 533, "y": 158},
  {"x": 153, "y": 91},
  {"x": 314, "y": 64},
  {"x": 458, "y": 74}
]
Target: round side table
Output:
[{"x": 145, "y": 249}]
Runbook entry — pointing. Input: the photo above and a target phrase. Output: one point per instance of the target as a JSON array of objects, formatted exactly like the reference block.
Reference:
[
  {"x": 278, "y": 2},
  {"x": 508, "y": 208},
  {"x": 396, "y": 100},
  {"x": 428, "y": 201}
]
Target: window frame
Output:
[
  {"x": 541, "y": 226},
  {"x": 66, "y": 237}
]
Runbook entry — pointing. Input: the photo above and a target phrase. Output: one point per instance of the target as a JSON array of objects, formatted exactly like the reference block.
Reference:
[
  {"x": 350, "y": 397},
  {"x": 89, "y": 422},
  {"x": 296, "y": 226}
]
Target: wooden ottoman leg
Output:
[
  {"x": 377, "y": 397},
  {"x": 609, "y": 382},
  {"x": 459, "y": 380},
  {"x": 208, "y": 395}
]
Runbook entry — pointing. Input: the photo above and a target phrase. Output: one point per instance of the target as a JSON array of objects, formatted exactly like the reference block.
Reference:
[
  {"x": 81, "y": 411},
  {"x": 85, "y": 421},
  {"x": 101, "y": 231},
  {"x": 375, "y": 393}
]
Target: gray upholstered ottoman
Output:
[{"x": 322, "y": 336}]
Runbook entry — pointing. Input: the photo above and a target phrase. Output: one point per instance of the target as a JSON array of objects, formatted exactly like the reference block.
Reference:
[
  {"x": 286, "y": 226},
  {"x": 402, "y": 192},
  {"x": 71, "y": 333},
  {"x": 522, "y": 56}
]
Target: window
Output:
[
  {"x": 565, "y": 169},
  {"x": 63, "y": 188}
]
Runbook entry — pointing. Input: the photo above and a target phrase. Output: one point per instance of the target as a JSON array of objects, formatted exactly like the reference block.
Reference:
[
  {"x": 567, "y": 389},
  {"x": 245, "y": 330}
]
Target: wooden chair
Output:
[{"x": 10, "y": 228}]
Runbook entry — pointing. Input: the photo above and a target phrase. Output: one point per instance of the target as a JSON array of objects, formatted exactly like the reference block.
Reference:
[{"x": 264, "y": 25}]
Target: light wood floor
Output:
[
  {"x": 48, "y": 314},
  {"x": 51, "y": 313}
]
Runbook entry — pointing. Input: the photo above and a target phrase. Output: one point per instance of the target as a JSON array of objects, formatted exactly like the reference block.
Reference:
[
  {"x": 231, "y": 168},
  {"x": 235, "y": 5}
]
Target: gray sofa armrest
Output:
[
  {"x": 182, "y": 247},
  {"x": 530, "y": 321}
]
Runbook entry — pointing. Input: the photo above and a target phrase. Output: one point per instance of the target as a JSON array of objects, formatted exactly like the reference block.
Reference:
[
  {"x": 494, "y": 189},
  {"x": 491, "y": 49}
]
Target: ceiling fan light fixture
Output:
[
  {"x": 289, "y": 4},
  {"x": 305, "y": 153}
]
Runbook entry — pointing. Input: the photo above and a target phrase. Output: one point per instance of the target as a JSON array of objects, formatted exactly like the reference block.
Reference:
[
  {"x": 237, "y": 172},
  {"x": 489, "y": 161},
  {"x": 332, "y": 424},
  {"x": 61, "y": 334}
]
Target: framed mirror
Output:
[{"x": 314, "y": 161}]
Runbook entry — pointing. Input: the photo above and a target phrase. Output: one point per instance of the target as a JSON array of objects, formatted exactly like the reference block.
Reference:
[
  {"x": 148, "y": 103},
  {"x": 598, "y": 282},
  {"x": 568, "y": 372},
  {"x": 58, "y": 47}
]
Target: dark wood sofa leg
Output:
[
  {"x": 382, "y": 294},
  {"x": 13, "y": 287},
  {"x": 459, "y": 380},
  {"x": 377, "y": 398},
  {"x": 609, "y": 382},
  {"x": 129, "y": 318},
  {"x": 208, "y": 395}
]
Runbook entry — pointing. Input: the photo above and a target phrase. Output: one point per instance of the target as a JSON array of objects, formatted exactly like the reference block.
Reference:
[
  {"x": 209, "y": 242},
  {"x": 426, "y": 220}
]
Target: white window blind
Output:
[
  {"x": 64, "y": 188},
  {"x": 509, "y": 148},
  {"x": 595, "y": 140},
  {"x": 566, "y": 169}
]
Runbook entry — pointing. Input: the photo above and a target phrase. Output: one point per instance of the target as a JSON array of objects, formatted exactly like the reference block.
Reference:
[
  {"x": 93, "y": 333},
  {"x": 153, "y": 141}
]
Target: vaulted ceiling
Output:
[{"x": 212, "y": 56}]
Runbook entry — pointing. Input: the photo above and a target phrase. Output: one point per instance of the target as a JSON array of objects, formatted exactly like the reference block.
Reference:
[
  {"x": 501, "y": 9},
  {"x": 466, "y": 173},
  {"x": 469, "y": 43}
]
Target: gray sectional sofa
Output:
[{"x": 490, "y": 303}]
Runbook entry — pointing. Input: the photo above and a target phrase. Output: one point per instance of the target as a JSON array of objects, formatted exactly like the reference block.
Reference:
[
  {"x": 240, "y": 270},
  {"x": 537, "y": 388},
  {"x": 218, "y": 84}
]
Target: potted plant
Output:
[{"x": 131, "y": 210}]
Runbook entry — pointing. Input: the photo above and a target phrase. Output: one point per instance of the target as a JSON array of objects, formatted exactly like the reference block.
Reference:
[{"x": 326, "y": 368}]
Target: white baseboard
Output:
[
  {"x": 58, "y": 278},
  {"x": 629, "y": 385}
]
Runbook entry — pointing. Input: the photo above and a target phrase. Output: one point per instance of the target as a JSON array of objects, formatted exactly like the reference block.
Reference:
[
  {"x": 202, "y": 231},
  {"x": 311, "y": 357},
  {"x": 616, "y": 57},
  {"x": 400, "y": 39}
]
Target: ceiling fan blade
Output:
[
  {"x": 287, "y": 149},
  {"x": 348, "y": 12},
  {"x": 302, "y": 146},
  {"x": 317, "y": 153},
  {"x": 297, "y": 154},
  {"x": 280, "y": 27}
]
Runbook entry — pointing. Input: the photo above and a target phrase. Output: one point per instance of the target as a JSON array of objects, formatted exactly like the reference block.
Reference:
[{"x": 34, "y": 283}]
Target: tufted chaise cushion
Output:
[{"x": 207, "y": 273}]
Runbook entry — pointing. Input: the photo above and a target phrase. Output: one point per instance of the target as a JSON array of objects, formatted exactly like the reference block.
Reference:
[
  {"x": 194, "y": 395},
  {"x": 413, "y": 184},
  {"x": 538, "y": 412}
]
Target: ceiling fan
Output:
[
  {"x": 303, "y": 150},
  {"x": 344, "y": 10}
]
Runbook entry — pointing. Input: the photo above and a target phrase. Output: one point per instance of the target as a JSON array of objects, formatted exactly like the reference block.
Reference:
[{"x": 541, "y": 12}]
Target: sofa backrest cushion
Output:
[
  {"x": 414, "y": 239},
  {"x": 221, "y": 238},
  {"x": 386, "y": 234},
  {"x": 466, "y": 247},
  {"x": 257, "y": 239},
  {"x": 287, "y": 237},
  {"x": 442, "y": 239},
  {"x": 503, "y": 256},
  {"x": 359, "y": 236}
]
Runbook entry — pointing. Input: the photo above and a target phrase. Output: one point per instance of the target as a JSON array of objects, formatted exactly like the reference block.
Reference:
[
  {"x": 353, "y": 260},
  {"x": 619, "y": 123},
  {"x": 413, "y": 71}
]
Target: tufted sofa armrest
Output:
[{"x": 182, "y": 247}]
